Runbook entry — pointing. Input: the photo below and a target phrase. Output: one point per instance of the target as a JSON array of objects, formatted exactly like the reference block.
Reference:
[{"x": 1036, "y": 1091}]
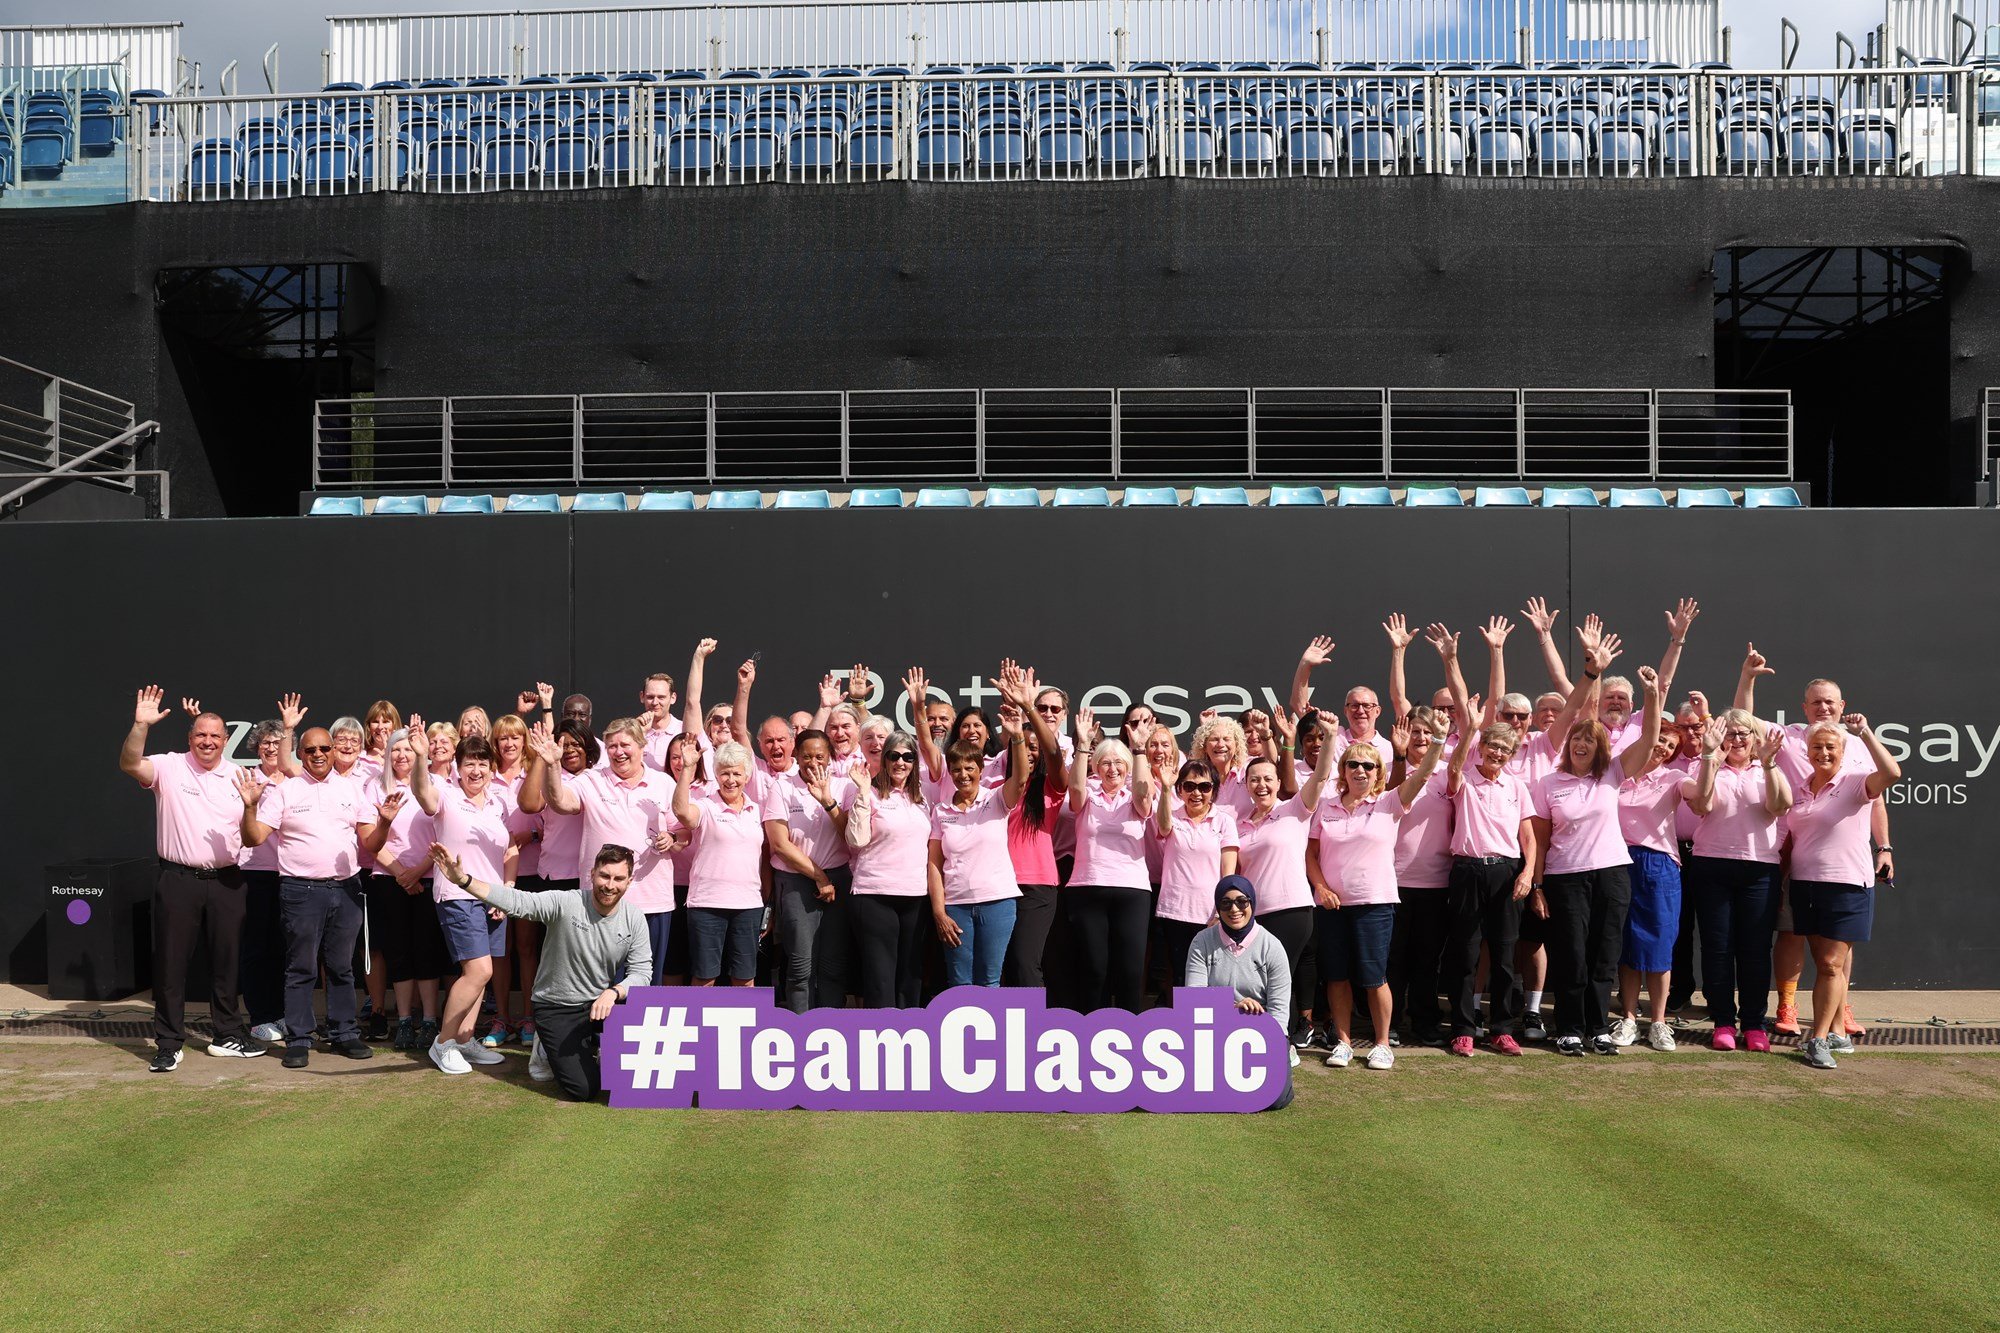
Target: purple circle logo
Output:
[{"x": 79, "y": 911}]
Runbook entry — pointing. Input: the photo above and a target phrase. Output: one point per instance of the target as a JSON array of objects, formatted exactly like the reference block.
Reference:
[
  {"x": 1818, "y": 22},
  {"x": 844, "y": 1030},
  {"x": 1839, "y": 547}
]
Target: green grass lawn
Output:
[{"x": 1668, "y": 1193}]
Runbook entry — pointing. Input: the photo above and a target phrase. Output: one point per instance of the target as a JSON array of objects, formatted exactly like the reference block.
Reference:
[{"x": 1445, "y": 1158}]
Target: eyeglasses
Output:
[
  {"x": 1360, "y": 765},
  {"x": 1516, "y": 717},
  {"x": 900, "y": 757},
  {"x": 1235, "y": 903},
  {"x": 316, "y": 749},
  {"x": 1198, "y": 786},
  {"x": 1364, "y": 708}
]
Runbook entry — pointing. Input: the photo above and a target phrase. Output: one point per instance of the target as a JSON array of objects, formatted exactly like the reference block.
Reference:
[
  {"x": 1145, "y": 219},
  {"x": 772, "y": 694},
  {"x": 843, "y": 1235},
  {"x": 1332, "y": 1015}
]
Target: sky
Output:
[{"x": 218, "y": 31}]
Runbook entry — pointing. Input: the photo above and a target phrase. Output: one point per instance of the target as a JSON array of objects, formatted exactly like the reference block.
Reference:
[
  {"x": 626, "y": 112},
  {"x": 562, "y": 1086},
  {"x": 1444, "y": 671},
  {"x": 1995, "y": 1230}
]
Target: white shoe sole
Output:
[
  {"x": 216, "y": 1049},
  {"x": 443, "y": 1068}
]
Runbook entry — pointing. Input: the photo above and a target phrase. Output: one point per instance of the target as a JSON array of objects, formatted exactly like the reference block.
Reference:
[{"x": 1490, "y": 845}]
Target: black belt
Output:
[
  {"x": 199, "y": 872},
  {"x": 1484, "y": 860},
  {"x": 302, "y": 879}
]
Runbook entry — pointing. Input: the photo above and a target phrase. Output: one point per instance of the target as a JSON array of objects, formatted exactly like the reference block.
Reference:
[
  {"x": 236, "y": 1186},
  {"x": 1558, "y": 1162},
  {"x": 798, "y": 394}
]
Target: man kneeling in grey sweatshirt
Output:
[{"x": 595, "y": 950}]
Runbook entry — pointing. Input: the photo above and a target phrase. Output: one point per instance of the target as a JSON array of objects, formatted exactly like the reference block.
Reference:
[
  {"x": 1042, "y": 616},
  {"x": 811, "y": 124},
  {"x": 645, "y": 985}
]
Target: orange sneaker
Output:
[
  {"x": 1849, "y": 1023},
  {"x": 1788, "y": 1019}
]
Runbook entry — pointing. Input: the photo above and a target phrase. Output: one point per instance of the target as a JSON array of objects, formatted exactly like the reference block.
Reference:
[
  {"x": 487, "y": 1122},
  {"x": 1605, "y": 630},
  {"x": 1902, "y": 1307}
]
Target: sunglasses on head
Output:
[
  {"x": 1235, "y": 902},
  {"x": 1361, "y": 764},
  {"x": 1197, "y": 786},
  {"x": 316, "y": 749}
]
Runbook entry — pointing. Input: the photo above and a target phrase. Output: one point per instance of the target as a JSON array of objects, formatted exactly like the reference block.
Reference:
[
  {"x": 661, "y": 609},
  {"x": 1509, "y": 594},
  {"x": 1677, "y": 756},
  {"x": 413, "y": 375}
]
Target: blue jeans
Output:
[
  {"x": 984, "y": 929},
  {"x": 322, "y": 920}
]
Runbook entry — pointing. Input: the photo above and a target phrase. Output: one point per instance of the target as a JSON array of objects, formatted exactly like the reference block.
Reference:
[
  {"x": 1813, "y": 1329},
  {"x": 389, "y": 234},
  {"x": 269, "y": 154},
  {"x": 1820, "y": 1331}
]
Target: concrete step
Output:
[{"x": 86, "y": 181}]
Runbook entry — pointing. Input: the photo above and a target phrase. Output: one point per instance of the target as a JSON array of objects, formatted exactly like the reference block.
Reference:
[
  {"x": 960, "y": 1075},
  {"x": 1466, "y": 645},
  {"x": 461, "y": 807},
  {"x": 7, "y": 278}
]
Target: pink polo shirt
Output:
[
  {"x": 1534, "y": 760},
  {"x": 654, "y": 755},
  {"x": 314, "y": 823},
  {"x": 1357, "y": 848},
  {"x": 628, "y": 814},
  {"x": 199, "y": 812},
  {"x": 973, "y": 843},
  {"x": 1736, "y": 827},
  {"x": 728, "y": 848},
  {"x": 1648, "y": 807},
  {"x": 811, "y": 826},
  {"x": 896, "y": 861},
  {"x": 1423, "y": 839},
  {"x": 521, "y": 822},
  {"x": 1271, "y": 854},
  {"x": 1191, "y": 863},
  {"x": 1583, "y": 820},
  {"x": 476, "y": 833},
  {"x": 1486, "y": 816},
  {"x": 264, "y": 856},
  {"x": 1830, "y": 831},
  {"x": 1233, "y": 795},
  {"x": 1111, "y": 843},
  {"x": 773, "y": 793},
  {"x": 410, "y": 837},
  {"x": 562, "y": 838},
  {"x": 1032, "y": 849}
]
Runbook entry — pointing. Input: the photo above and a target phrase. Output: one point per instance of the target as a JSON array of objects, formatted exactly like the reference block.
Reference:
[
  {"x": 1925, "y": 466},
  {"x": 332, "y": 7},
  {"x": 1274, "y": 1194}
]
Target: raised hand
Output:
[
  {"x": 192, "y": 707},
  {"x": 1398, "y": 631},
  {"x": 542, "y": 741},
  {"x": 1649, "y": 680},
  {"x": 1856, "y": 723},
  {"x": 860, "y": 684},
  {"x": 703, "y": 648},
  {"x": 1537, "y": 613},
  {"x": 1014, "y": 687},
  {"x": 918, "y": 686},
  {"x": 1208, "y": 715},
  {"x": 1681, "y": 617},
  {"x": 147, "y": 710},
  {"x": 386, "y": 811},
  {"x": 1771, "y": 746},
  {"x": 747, "y": 673},
  {"x": 1699, "y": 702},
  {"x": 1085, "y": 721},
  {"x": 1143, "y": 732},
  {"x": 829, "y": 691},
  {"x": 1329, "y": 730},
  {"x": 248, "y": 788},
  {"x": 525, "y": 701},
  {"x": 1589, "y": 632},
  {"x": 1754, "y": 663},
  {"x": 1318, "y": 651},
  {"x": 545, "y": 695},
  {"x": 1711, "y": 736},
  {"x": 1399, "y": 736},
  {"x": 291, "y": 712},
  {"x": 1285, "y": 725},
  {"x": 418, "y": 741},
  {"x": 1496, "y": 631},
  {"x": 820, "y": 786},
  {"x": 1601, "y": 654},
  {"x": 1443, "y": 640},
  {"x": 1010, "y": 721}
]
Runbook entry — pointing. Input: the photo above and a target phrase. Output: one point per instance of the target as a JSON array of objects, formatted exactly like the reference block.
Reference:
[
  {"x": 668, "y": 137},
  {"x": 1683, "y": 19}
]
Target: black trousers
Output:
[
  {"x": 1423, "y": 920},
  {"x": 1586, "y": 936},
  {"x": 888, "y": 944},
  {"x": 1482, "y": 907},
  {"x": 1292, "y": 927},
  {"x": 1110, "y": 926},
  {"x": 570, "y": 1043},
  {"x": 322, "y": 924},
  {"x": 406, "y": 930},
  {"x": 1681, "y": 982},
  {"x": 1034, "y": 916},
  {"x": 189, "y": 907},
  {"x": 260, "y": 964}
]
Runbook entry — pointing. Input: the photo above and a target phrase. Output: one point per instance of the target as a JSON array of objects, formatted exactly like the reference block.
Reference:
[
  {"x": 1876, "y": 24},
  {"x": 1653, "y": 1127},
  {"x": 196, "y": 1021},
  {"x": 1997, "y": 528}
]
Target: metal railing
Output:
[
  {"x": 515, "y": 44},
  {"x": 148, "y": 53},
  {"x": 1652, "y": 124},
  {"x": 1047, "y": 435},
  {"x": 54, "y": 429},
  {"x": 1989, "y": 432}
]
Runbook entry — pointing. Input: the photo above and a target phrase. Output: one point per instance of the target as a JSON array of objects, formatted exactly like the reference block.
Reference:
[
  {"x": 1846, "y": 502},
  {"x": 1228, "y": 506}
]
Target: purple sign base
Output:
[{"x": 971, "y": 1049}]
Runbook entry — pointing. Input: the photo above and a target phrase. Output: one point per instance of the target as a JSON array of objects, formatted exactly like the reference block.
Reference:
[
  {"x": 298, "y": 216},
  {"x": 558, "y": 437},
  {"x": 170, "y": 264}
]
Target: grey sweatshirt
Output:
[
  {"x": 1261, "y": 972},
  {"x": 583, "y": 952}
]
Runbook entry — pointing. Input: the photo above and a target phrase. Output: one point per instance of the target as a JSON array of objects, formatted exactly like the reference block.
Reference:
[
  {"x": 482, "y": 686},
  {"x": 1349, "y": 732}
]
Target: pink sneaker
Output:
[
  {"x": 1756, "y": 1039},
  {"x": 1724, "y": 1038},
  {"x": 1462, "y": 1046},
  {"x": 1506, "y": 1045}
]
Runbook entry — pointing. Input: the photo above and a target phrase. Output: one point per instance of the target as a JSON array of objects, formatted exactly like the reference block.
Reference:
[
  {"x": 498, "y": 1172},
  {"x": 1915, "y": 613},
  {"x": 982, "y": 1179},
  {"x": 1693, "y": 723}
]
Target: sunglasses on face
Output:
[
  {"x": 1235, "y": 904},
  {"x": 1515, "y": 717},
  {"x": 900, "y": 757},
  {"x": 1360, "y": 765},
  {"x": 1049, "y": 710},
  {"x": 316, "y": 749},
  {"x": 1198, "y": 786}
]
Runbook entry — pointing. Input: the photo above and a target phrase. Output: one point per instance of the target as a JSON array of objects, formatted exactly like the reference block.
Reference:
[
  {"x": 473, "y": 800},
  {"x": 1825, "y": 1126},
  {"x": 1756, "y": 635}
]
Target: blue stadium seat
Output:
[
  {"x": 1432, "y": 497},
  {"x": 1013, "y": 497},
  {"x": 803, "y": 500},
  {"x": 1704, "y": 497},
  {"x": 1089, "y": 497},
  {"x": 568, "y": 159},
  {"x": 1568, "y": 497},
  {"x": 1219, "y": 495},
  {"x": 271, "y": 167},
  {"x": 534, "y": 504},
  {"x": 1639, "y": 497},
  {"x": 339, "y": 506},
  {"x": 944, "y": 497},
  {"x": 599, "y": 502},
  {"x": 735, "y": 499},
  {"x": 1364, "y": 495},
  {"x": 213, "y": 166},
  {"x": 509, "y": 163},
  {"x": 1286, "y": 496},
  {"x": 327, "y": 168},
  {"x": 875, "y": 497},
  {"x": 1771, "y": 497},
  {"x": 1160, "y": 496},
  {"x": 813, "y": 151},
  {"x": 1491, "y": 497},
  {"x": 466, "y": 504},
  {"x": 401, "y": 504}
]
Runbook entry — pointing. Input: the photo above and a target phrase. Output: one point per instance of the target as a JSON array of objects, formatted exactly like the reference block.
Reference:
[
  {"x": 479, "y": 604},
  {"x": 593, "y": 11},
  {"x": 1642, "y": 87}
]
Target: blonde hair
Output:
[
  {"x": 1230, "y": 730},
  {"x": 1743, "y": 717},
  {"x": 446, "y": 729},
  {"x": 1832, "y": 728},
  {"x": 629, "y": 725},
  {"x": 507, "y": 725},
  {"x": 1380, "y": 782}
]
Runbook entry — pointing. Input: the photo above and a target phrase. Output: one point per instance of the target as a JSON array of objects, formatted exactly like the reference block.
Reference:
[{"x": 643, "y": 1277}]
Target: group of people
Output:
[{"x": 1319, "y": 861}]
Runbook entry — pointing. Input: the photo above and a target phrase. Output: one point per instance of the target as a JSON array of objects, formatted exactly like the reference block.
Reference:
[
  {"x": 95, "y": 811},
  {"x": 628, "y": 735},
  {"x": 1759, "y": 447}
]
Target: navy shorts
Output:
[
  {"x": 469, "y": 933},
  {"x": 722, "y": 942},
  {"x": 1353, "y": 943},
  {"x": 1840, "y": 912}
]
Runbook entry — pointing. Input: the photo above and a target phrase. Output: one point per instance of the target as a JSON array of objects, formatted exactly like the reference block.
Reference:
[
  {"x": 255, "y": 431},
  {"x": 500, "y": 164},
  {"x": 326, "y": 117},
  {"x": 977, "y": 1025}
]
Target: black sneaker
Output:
[
  {"x": 165, "y": 1061},
  {"x": 354, "y": 1049},
  {"x": 234, "y": 1049},
  {"x": 406, "y": 1033},
  {"x": 297, "y": 1057},
  {"x": 1532, "y": 1027},
  {"x": 427, "y": 1031},
  {"x": 1602, "y": 1044}
]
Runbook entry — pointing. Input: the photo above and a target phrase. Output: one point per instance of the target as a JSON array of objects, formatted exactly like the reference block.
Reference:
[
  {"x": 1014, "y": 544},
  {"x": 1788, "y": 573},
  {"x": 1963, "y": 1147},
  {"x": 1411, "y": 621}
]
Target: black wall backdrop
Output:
[{"x": 1187, "y": 608}]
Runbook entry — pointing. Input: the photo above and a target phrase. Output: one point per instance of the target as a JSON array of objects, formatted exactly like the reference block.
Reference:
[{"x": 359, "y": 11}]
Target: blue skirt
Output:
[{"x": 1655, "y": 917}]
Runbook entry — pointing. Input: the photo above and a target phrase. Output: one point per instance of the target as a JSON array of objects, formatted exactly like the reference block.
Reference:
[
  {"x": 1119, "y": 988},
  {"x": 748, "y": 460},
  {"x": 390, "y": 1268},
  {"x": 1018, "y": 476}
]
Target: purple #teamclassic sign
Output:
[{"x": 970, "y": 1049}]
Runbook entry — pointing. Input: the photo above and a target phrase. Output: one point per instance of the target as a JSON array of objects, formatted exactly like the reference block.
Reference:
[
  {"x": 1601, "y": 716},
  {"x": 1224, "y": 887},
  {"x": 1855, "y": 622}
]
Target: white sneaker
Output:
[
  {"x": 540, "y": 1070},
  {"x": 1293, "y": 1052},
  {"x": 1340, "y": 1057},
  {"x": 1381, "y": 1057},
  {"x": 479, "y": 1055},
  {"x": 269, "y": 1032},
  {"x": 1625, "y": 1031},
  {"x": 445, "y": 1055},
  {"x": 1660, "y": 1036}
]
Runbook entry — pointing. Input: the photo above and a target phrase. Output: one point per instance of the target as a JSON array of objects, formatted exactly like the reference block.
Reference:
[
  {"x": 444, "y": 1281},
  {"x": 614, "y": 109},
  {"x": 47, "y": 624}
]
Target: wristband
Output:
[
  {"x": 1286, "y": 748},
  {"x": 1885, "y": 847}
]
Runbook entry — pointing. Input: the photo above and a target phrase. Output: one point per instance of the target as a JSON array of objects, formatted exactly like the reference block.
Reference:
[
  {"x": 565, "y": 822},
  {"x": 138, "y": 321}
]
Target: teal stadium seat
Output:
[
  {"x": 661, "y": 502},
  {"x": 944, "y": 497},
  {"x": 1771, "y": 497},
  {"x": 534, "y": 504},
  {"x": 1637, "y": 497},
  {"x": 1013, "y": 497},
  {"x": 401, "y": 504},
  {"x": 1500, "y": 497},
  {"x": 1163, "y": 497},
  {"x": 1219, "y": 495},
  {"x": 803, "y": 500},
  {"x": 1287, "y": 496},
  {"x": 1568, "y": 497},
  {"x": 1086, "y": 497},
  {"x": 1364, "y": 495},
  {"x": 735, "y": 499},
  {"x": 336, "y": 506},
  {"x": 599, "y": 502},
  {"x": 1433, "y": 497},
  {"x": 1704, "y": 497},
  {"x": 466, "y": 504},
  {"x": 875, "y": 497}
]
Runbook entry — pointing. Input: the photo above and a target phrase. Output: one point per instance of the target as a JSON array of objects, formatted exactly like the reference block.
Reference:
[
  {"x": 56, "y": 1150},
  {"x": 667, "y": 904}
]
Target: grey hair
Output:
[
  {"x": 270, "y": 729},
  {"x": 1518, "y": 702},
  {"x": 732, "y": 754},
  {"x": 341, "y": 724},
  {"x": 877, "y": 723},
  {"x": 1609, "y": 681}
]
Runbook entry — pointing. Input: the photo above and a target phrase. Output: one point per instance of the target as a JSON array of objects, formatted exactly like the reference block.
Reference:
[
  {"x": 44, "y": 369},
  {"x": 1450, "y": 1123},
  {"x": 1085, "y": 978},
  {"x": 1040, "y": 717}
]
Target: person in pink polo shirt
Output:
[
  {"x": 725, "y": 904},
  {"x": 1584, "y": 870},
  {"x": 1423, "y": 883},
  {"x": 1351, "y": 864},
  {"x": 402, "y": 919},
  {"x": 656, "y": 715},
  {"x": 888, "y": 835},
  {"x": 1220, "y": 743},
  {"x": 1493, "y": 842},
  {"x": 811, "y": 880},
  {"x": 1649, "y": 807},
  {"x": 324, "y": 823},
  {"x": 1741, "y": 797},
  {"x": 1109, "y": 895},
  {"x": 1036, "y": 828},
  {"x": 261, "y": 965},
  {"x": 1198, "y": 846},
  {"x": 1271, "y": 836},
  {"x": 1833, "y": 876},
  {"x": 199, "y": 891},
  {"x": 972, "y": 886}
]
